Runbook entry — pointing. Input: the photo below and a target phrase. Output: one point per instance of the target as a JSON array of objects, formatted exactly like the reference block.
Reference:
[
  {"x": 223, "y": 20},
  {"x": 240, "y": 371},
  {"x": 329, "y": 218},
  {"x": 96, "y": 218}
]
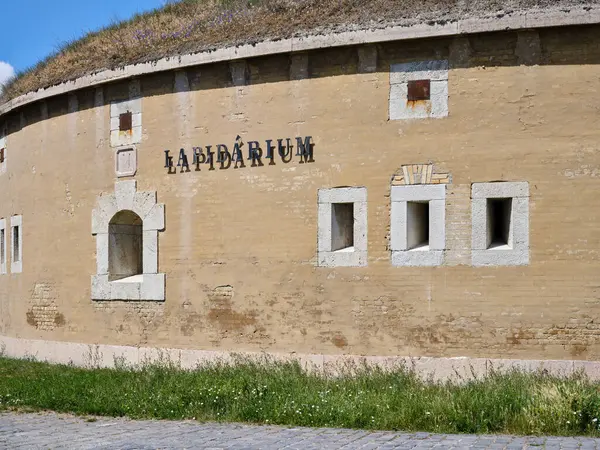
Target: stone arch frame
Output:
[{"x": 126, "y": 198}]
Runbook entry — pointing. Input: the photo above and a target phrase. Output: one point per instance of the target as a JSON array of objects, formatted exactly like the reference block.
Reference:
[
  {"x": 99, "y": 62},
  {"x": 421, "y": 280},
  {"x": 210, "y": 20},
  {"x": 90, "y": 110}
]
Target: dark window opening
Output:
[
  {"x": 419, "y": 90},
  {"x": 2, "y": 248},
  {"x": 417, "y": 225},
  {"x": 125, "y": 121},
  {"x": 16, "y": 247},
  {"x": 499, "y": 212},
  {"x": 125, "y": 246},
  {"x": 1, "y": 155},
  {"x": 342, "y": 226}
]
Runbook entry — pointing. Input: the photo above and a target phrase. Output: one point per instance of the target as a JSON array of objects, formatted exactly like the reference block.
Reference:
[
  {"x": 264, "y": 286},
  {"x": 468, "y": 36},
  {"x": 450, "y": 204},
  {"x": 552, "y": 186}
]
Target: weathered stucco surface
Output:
[{"x": 239, "y": 247}]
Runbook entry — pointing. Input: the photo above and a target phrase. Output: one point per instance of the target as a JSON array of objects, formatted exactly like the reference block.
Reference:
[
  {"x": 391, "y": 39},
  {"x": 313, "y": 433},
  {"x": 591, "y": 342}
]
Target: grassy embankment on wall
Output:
[
  {"x": 191, "y": 26},
  {"x": 283, "y": 393}
]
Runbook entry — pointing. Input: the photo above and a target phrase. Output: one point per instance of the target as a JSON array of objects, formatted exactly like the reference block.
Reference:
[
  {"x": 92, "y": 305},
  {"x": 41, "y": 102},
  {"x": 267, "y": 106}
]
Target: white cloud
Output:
[{"x": 6, "y": 73}]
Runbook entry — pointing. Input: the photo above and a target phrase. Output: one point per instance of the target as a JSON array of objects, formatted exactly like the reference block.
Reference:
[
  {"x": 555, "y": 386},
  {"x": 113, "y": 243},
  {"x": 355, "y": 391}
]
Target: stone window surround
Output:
[
  {"x": 433, "y": 255},
  {"x": 3, "y": 266},
  {"x": 120, "y": 138},
  {"x": 126, "y": 171},
  {"x": 342, "y": 258},
  {"x": 436, "y": 71},
  {"x": 518, "y": 253},
  {"x": 150, "y": 285},
  {"x": 16, "y": 266}
]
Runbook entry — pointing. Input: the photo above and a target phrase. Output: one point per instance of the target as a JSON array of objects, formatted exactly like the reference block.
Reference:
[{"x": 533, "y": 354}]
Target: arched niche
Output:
[{"x": 126, "y": 225}]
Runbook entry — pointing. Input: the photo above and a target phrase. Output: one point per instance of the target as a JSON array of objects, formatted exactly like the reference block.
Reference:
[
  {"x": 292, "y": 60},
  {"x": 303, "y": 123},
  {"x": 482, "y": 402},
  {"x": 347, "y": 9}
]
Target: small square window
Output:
[
  {"x": 418, "y": 225},
  {"x": 125, "y": 121},
  {"x": 342, "y": 226},
  {"x": 500, "y": 224},
  {"x": 419, "y": 90}
]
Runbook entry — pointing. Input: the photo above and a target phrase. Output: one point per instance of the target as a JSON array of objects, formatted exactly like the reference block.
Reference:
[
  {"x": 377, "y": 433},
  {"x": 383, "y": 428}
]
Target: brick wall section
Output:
[{"x": 239, "y": 246}]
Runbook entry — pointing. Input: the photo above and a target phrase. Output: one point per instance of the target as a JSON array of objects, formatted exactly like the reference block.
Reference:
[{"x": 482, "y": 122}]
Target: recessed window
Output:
[
  {"x": 418, "y": 225},
  {"x": 419, "y": 90},
  {"x": 125, "y": 121},
  {"x": 125, "y": 251},
  {"x": 2, "y": 155},
  {"x": 126, "y": 226},
  {"x": 3, "y": 245},
  {"x": 16, "y": 241},
  {"x": 342, "y": 226},
  {"x": 498, "y": 222},
  {"x": 16, "y": 246}
]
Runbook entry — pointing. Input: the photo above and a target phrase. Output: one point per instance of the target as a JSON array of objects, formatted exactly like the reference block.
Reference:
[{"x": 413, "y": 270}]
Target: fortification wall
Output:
[{"x": 239, "y": 246}]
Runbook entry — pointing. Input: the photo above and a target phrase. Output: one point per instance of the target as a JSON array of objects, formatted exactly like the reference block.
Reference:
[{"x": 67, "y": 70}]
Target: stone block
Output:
[
  {"x": 528, "y": 49},
  {"x": 367, "y": 58},
  {"x": 150, "y": 251},
  {"x": 398, "y": 233},
  {"x": 125, "y": 193},
  {"x": 324, "y": 228},
  {"x": 417, "y": 258},
  {"x": 126, "y": 161},
  {"x": 502, "y": 257},
  {"x": 343, "y": 259},
  {"x": 239, "y": 73},
  {"x": 102, "y": 254},
  {"x": 420, "y": 70},
  {"x": 153, "y": 287},
  {"x": 417, "y": 193},
  {"x": 155, "y": 219},
  {"x": 299, "y": 66},
  {"x": 117, "y": 108},
  {"x": 343, "y": 195},
  {"x": 437, "y": 225},
  {"x": 502, "y": 189},
  {"x": 125, "y": 290},
  {"x": 143, "y": 203},
  {"x": 100, "y": 287}
]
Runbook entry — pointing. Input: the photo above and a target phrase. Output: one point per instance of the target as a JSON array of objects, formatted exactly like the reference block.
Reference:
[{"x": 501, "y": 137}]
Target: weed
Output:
[{"x": 284, "y": 393}]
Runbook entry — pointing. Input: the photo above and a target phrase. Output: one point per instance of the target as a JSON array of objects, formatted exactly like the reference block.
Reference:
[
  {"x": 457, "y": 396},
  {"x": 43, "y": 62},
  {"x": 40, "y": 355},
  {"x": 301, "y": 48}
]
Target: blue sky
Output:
[{"x": 32, "y": 29}]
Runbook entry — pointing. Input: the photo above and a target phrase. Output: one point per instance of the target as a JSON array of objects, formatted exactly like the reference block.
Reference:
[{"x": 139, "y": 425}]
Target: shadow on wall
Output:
[{"x": 552, "y": 46}]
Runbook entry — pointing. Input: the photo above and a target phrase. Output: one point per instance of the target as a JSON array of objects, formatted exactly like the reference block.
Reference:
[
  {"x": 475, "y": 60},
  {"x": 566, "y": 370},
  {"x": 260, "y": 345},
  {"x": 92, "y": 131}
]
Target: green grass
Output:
[{"x": 283, "y": 393}]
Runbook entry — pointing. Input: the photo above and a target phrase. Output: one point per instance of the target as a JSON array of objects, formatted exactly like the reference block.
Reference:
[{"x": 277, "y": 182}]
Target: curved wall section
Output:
[{"x": 243, "y": 174}]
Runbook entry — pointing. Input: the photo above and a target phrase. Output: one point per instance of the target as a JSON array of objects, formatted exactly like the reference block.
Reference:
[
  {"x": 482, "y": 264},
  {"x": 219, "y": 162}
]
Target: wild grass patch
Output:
[
  {"x": 190, "y": 26},
  {"x": 284, "y": 393}
]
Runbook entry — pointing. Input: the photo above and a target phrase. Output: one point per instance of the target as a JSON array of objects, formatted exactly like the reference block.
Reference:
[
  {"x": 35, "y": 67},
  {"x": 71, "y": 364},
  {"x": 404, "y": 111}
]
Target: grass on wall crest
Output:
[
  {"x": 190, "y": 26},
  {"x": 269, "y": 392}
]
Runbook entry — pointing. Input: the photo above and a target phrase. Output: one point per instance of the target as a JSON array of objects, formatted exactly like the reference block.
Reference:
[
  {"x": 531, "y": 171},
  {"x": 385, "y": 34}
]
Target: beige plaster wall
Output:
[{"x": 239, "y": 248}]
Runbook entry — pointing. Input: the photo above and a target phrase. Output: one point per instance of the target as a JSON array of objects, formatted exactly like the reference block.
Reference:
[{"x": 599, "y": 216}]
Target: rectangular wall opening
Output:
[
  {"x": 2, "y": 246},
  {"x": 417, "y": 225},
  {"x": 499, "y": 223},
  {"x": 16, "y": 248},
  {"x": 342, "y": 226}
]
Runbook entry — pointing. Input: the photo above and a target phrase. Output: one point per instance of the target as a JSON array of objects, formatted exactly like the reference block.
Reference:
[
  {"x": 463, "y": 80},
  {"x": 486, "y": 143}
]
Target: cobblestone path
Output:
[{"x": 54, "y": 431}]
